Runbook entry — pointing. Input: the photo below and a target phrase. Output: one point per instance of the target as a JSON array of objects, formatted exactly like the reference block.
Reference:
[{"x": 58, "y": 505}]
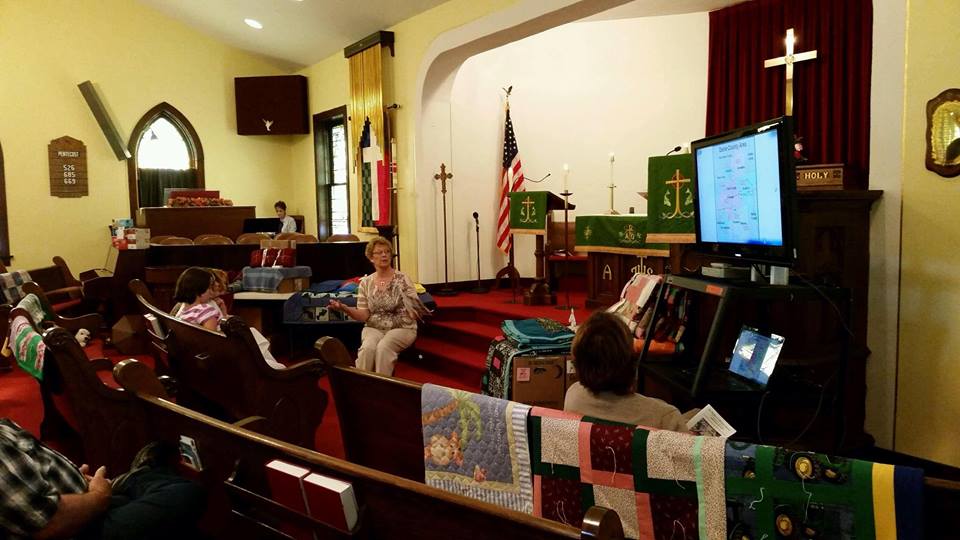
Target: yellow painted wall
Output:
[
  {"x": 329, "y": 88},
  {"x": 137, "y": 58},
  {"x": 928, "y": 401}
]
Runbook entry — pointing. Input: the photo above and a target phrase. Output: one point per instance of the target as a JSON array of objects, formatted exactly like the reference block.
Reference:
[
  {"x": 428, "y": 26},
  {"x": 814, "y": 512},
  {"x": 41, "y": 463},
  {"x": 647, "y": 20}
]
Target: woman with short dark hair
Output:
[{"x": 607, "y": 372}]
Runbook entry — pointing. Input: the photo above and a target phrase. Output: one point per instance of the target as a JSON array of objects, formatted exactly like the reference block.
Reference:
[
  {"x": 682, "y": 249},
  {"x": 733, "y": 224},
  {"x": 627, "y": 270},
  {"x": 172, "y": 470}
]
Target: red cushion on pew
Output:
[{"x": 64, "y": 306}]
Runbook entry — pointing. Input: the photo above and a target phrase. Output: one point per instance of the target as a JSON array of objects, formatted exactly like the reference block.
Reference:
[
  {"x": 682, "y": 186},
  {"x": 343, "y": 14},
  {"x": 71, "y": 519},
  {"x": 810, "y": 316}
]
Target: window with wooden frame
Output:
[
  {"x": 4, "y": 231},
  {"x": 330, "y": 156},
  {"x": 165, "y": 153}
]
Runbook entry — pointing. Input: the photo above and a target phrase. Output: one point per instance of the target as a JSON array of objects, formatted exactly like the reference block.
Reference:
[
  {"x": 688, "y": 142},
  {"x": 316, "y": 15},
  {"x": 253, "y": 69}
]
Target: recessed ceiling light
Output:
[{"x": 253, "y": 23}]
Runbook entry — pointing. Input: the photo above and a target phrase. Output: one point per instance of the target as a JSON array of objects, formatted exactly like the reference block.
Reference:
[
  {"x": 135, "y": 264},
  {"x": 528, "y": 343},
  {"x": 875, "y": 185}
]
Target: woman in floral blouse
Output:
[{"x": 388, "y": 303}]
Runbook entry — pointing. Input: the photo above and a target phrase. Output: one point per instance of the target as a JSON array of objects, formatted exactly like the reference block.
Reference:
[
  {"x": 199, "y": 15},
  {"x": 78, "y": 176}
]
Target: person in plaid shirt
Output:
[{"x": 44, "y": 495}]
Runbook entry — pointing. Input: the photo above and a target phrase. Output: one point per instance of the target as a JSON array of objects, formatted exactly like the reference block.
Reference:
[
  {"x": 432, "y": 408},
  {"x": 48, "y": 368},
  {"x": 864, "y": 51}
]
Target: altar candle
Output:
[{"x": 566, "y": 176}]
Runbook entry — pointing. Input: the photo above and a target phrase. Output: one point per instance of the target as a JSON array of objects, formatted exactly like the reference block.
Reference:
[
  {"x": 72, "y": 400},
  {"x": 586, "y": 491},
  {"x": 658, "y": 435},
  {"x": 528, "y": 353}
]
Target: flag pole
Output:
[{"x": 510, "y": 270}]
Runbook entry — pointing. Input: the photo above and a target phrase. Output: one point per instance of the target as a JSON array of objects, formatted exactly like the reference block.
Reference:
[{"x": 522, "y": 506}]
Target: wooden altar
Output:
[{"x": 191, "y": 221}]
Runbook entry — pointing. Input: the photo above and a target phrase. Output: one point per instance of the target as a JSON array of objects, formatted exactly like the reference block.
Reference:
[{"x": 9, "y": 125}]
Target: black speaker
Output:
[{"x": 106, "y": 124}]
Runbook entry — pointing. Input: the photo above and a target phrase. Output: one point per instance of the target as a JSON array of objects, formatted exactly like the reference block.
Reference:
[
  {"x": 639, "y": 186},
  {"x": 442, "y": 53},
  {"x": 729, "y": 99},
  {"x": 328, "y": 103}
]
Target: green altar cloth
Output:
[
  {"x": 671, "y": 199},
  {"x": 528, "y": 212},
  {"x": 617, "y": 234}
]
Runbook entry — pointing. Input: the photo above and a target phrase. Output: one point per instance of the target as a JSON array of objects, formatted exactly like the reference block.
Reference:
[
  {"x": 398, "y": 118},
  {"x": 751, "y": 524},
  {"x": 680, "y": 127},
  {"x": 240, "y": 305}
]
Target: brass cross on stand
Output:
[
  {"x": 443, "y": 176},
  {"x": 789, "y": 59}
]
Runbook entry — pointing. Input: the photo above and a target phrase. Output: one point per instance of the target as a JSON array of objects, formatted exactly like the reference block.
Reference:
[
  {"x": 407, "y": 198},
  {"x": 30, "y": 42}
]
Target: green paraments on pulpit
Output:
[
  {"x": 625, "y": 233},
  {"x": 528, "y": 212},
  {"x": 671, "y": 196}
]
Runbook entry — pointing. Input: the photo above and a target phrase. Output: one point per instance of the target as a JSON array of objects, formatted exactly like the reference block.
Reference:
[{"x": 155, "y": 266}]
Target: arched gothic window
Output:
[{"x": 166, "y": 153}]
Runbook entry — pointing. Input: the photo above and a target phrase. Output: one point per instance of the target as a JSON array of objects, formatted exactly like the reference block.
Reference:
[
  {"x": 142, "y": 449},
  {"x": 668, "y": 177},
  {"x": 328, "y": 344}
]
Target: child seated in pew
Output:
[
  {"x": 198, "y": 293},
  {"x": 607, "y": 370}
]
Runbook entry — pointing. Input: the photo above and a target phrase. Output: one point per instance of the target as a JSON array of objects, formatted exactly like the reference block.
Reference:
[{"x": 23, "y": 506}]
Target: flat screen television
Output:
[{"x": 746, "y": 205}]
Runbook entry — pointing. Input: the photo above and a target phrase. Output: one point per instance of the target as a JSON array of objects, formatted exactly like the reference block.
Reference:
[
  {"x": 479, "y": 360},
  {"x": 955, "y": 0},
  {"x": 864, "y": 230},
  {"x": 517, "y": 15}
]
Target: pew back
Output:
[
  {"x": 225, "y": 375},
  {"x": 390, "y": 506}
]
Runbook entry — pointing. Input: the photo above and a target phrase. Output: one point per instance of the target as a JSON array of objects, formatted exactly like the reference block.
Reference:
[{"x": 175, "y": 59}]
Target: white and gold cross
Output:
[{"x": 789, "y": 59}]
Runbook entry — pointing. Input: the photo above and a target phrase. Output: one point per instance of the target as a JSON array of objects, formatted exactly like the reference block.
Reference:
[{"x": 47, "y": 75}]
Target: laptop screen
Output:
[{"x": 755, "y": 355}]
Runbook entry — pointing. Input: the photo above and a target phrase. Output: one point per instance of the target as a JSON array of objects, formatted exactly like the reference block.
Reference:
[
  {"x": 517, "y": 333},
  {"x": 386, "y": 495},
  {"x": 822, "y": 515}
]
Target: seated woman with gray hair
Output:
[
  {"x": 607, "y": 372},
  {"x": 388, "y": 304}
]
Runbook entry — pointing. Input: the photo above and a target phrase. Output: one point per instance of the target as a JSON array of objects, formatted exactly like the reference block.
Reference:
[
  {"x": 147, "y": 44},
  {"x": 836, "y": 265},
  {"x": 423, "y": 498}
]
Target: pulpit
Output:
[
  {"x": 191, "y": 221},
  {"x": 530, "y": 213}
]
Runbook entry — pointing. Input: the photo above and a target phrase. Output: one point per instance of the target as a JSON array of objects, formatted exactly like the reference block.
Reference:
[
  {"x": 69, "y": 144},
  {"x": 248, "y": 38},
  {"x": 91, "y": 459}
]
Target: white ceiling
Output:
[
  {"x": 303, "y": 32},
  {"x": 300, "y": 33}
]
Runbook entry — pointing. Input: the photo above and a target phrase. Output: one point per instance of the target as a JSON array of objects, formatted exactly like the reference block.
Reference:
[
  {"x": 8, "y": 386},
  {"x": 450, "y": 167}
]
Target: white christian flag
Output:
[{"x": 375, "y": 192}]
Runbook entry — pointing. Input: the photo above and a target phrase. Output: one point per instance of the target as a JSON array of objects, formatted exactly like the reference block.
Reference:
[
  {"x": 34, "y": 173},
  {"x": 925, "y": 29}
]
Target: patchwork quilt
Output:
[
  {"x": 667, "y": 485},
  {"x": 28, "y": 346},
  {"x": 477, "y": 446},
  {"x": 780, "y": 493},
  {"x": 662, "y": 484},
  {"x": 12, "y": 285}
]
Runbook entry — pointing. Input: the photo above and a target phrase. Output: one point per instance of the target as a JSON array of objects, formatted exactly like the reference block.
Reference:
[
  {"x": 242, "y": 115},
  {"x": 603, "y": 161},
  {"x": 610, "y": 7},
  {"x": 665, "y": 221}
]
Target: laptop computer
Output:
[
  {"x": 751, "y": 365},
  {"x": 755, "y": 356}
]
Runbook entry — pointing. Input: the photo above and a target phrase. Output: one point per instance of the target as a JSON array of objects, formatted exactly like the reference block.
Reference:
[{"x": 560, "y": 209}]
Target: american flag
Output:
[{"x": 511, "y": 179}]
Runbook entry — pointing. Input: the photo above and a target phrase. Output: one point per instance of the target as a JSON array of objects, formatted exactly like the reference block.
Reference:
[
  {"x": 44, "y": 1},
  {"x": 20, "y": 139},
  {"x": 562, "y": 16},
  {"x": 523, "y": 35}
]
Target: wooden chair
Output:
[
  {"x": 175, "y": 241},
  {"x": 306, "y": 239},
  {"x": 225, "y": 375},
  {"x": 287, "y": 236},
  {"x": 158, "y": 239},
  {"x": 389, "y": 507},
  {"x": 90, "y": 421},
  {"x": 342, "y": 238},
  {"x": 211, "y": 240},
  {"x": 252, "y": 238}
]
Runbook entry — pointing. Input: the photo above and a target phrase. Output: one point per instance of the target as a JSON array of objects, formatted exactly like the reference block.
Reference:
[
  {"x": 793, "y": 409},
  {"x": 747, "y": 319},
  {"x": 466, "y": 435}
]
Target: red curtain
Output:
[{"x": 831, "y": 93}]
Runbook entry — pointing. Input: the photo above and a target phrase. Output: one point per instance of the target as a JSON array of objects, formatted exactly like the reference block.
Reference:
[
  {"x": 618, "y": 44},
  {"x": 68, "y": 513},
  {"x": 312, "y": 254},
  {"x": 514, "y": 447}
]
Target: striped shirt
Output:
[
  {"x": 32, "y": 478},
  {"x": 199, "y": 313}
]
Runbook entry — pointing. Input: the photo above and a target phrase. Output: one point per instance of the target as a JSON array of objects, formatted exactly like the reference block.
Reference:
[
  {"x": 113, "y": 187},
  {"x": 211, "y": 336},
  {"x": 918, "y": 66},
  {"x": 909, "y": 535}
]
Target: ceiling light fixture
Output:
[{"x": 253, "y": 23}]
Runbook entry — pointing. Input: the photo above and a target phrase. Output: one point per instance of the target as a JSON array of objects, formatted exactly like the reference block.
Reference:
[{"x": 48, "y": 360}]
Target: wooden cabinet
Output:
[{"x": 272, "y": 105}]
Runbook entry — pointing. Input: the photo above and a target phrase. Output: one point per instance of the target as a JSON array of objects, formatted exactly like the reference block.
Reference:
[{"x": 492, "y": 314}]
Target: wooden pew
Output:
[
  {"x": 90, "y": 321},
  {"x": 361, "y": 397},
  {"x": 389, "y": 506},
  {"x": 225, "y": 375},
  {"x": 89, "y": 421}
]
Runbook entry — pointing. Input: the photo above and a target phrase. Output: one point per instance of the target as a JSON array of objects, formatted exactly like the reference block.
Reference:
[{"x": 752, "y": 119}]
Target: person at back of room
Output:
[
  {"x": 607, "y": 371},
  {"x": 197, "y": 291},
  {"x": 388, "y": 304},
  {"x": 288, "y": 224}
]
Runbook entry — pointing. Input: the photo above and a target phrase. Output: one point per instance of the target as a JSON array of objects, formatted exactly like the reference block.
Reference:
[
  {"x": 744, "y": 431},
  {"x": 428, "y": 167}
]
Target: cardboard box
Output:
[
  {"x": 293, "y": 284},
  {"x": 539, "y": 380},
  {"x": 131, "y": 238},
  {"x": 571, "y": 372}
]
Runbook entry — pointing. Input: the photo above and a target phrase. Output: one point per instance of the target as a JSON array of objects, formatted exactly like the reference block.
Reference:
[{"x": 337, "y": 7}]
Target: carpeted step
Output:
[
  {"x": 482, "y": 315},
  {"x": 471, "y": 334},
  {"x": 450, "y": 359}
]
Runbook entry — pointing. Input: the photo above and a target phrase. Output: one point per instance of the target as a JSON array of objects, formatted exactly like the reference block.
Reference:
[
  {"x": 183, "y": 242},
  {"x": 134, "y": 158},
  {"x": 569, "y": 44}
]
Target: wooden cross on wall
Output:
[{"x": 788, "y": 60}]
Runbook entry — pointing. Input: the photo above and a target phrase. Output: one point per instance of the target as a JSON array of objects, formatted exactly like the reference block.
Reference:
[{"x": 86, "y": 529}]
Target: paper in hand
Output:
[{"x": 709, "y": 422}]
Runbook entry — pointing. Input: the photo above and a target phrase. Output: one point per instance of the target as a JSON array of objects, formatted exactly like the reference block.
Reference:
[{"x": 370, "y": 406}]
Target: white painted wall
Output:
[{"x": 635, "y": 87}]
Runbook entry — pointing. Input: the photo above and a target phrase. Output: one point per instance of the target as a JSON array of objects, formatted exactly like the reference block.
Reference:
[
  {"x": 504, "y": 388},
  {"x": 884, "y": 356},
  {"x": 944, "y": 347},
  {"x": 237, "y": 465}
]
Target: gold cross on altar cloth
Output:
[
  {"x": 677, "y": 180},
  {"x": 789, "y": 59},
  {"x": 443, "y": 176}
]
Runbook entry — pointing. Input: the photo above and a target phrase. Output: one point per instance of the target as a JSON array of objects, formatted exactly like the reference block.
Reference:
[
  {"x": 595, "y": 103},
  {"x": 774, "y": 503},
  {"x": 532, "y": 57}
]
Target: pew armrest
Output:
[
  {"x": 601, "y": 523},
  {"x": 306, "y": 366}
]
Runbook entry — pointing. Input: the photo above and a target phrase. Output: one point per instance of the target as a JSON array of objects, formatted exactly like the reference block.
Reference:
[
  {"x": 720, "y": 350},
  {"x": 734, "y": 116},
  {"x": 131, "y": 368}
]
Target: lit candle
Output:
[{"x": 566, "y": 176}]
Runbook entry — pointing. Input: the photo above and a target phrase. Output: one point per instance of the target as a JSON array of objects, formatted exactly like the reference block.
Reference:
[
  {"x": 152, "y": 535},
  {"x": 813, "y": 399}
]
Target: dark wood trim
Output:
[
  {"x": 4, "y": 228},
  {"x": 191, "y": 137},
  {"x": 322, "y": 157},
  {"x": 383, "y": 38}
]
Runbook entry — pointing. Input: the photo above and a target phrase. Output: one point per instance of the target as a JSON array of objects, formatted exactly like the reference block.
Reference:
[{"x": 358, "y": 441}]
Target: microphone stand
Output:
[{"x": 479, "y": 289}]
